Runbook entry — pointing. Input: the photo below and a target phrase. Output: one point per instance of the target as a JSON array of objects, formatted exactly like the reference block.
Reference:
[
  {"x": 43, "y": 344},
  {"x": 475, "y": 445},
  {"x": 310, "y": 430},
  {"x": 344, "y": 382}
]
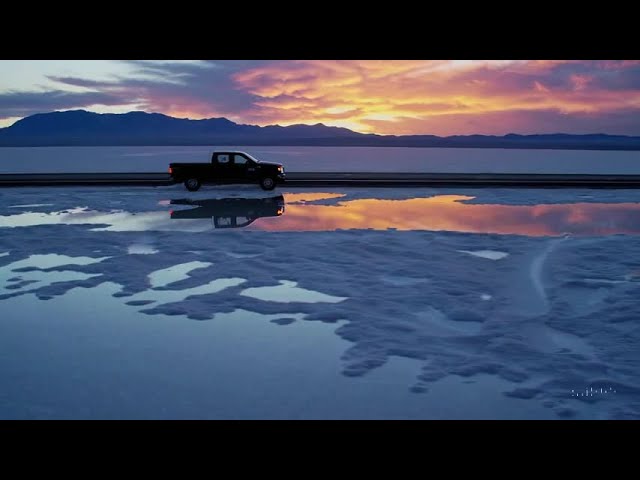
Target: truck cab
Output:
[{"x": 228, "y": 167}]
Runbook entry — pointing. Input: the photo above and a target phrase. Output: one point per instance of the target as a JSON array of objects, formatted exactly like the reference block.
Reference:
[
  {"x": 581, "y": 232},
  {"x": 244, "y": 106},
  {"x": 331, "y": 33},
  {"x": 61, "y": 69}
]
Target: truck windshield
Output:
[{"x": 251, "y": 158}]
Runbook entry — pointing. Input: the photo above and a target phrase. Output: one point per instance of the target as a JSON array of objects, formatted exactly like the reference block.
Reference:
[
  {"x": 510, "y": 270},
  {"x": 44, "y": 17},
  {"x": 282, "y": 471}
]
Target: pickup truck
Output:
[{"x": 228, "y": 167}]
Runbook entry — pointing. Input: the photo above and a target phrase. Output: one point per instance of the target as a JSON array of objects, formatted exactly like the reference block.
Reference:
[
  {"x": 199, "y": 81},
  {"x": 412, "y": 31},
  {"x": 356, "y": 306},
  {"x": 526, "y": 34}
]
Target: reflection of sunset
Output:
[{"x": 448, "y": 212}]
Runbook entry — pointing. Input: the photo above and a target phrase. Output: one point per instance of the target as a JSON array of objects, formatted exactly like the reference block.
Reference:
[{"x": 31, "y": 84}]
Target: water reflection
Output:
[
  {"x": 230, "y": 212},
  {"x": 441, "y": 212},
  {"x": 451, "y": 213},
  {"x": 317, "y": 211},
  {"x": 540, "y": 315}
]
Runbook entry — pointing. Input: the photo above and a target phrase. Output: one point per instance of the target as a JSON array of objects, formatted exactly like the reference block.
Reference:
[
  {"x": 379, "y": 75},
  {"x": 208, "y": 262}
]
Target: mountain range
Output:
[{"x": 82, "y": 128}]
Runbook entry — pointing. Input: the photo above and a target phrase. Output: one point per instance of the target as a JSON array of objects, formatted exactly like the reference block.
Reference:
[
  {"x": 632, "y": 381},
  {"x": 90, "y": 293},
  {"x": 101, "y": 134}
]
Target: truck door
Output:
[
  {"x": 221, "y": 170},
  {"x": 243, "y": 168}
]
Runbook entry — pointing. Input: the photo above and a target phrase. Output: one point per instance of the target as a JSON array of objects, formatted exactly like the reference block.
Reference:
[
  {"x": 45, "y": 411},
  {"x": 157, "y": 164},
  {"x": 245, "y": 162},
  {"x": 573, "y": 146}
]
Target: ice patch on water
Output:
[
  {"x": 176, "y": 273},
  {"x": 4, "y": 254},
  {"x": 51, "y": 260},
  {"x": 35, "y": 278},
  {"x": 177, "y": 296},
  {"x": 485, "y": 296},
  {"x": 288, "y": 291},
  {"x": 488, "y": 254},
  {"x": 141, "y": 249}
]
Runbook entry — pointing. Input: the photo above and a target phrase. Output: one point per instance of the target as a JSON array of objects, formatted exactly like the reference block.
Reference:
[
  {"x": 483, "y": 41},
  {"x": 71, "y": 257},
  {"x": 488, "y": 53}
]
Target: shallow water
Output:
[
  {"x": 331, "y": 211},
  {"x": 390, "y": 303},
  {"x": 322, "y": 159}
]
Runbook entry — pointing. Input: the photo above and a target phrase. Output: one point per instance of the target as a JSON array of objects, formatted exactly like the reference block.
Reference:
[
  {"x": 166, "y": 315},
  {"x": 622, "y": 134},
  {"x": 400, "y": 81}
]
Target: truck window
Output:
[
  {"x": 239, "y": 160},
  {"x": 223, "y": 158}
]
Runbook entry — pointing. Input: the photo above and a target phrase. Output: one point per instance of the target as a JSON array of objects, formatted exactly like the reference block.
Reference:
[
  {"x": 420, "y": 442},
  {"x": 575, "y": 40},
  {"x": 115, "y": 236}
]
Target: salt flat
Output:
[{"x": 412, "y": 303}]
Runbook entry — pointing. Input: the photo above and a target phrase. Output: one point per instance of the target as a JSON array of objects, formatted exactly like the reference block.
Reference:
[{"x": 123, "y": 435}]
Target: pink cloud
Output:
[{"x": 440, "y": 97}]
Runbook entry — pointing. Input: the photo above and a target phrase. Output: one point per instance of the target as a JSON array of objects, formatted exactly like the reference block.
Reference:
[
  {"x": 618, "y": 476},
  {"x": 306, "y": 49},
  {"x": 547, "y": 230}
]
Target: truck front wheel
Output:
[
  {"x": 268, "y": 183},
  {"x": 192, "y": 184}
]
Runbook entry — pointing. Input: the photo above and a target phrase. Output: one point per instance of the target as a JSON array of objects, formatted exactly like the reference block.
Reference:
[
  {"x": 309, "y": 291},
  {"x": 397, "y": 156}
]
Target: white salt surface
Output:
[
  {"x": 556, "y": 314},
  {"x": 489, "y": 254},
  {"x": 289, "y": 291}
]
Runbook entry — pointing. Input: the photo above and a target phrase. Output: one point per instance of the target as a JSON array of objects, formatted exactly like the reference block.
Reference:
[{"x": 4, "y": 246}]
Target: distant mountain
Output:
[{"x": 82, "y": 128}]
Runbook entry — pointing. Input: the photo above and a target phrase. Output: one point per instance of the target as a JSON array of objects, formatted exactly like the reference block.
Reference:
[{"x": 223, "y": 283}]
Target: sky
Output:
[{"x": 397, "y": 97}]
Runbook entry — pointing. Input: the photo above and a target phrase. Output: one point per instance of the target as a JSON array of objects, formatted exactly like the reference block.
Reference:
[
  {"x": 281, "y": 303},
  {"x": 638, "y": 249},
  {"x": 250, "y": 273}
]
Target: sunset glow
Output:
[
  {"x": 454, "y": 213},
  {"x": 440, "y": 97}
]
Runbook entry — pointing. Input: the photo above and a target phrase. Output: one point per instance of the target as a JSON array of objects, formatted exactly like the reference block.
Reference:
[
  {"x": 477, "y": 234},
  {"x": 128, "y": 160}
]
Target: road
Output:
[{"x": 360, "y": 179}]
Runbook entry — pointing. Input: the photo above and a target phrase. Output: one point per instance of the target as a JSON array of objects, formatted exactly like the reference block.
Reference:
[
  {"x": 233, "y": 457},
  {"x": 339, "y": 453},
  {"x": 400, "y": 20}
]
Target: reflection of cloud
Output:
[
  {"x": 396, "y": 97},
  {"x": 438, "y": 213},
  {"x": 450, "y": 213}
]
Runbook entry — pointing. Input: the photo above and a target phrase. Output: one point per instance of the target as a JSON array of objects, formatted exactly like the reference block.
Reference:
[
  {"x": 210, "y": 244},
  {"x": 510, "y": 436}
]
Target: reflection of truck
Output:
[
  {"x": 230, "y": 212},
  {"x": 228, "y": 167}
]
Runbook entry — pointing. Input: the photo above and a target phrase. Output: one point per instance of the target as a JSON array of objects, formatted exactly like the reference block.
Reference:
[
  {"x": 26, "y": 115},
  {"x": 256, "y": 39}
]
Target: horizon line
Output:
[{"x": 313, "y": 125}]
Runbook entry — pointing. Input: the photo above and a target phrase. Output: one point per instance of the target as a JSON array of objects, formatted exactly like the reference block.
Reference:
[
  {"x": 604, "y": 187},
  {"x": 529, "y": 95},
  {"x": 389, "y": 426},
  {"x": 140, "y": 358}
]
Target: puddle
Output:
[
  {"x": 21, "y": 282},
  {"x": 159, "y": 297},
  {"x": 288, "y": 291},
  {"x": 52, "y": 260},
  {"x": 435, "y": 213}
]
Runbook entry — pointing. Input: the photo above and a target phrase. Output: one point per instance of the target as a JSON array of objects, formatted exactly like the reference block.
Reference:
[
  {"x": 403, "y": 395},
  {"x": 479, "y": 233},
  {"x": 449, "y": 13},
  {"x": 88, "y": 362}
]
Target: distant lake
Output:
[{"x": 323, "y": 159}]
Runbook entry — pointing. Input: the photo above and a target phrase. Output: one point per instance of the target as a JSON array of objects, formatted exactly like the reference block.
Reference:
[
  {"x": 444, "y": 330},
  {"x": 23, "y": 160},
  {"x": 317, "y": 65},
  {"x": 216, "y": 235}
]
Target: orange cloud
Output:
[
  {"x": 441, "y": 97},
  {"x": 419, "y": 97}
]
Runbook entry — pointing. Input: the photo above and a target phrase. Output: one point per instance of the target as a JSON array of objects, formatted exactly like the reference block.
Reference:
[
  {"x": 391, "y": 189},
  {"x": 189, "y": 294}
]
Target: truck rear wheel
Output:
[
  {"x": 192, "y": 184},
  {"x": 268, "y": 183}
]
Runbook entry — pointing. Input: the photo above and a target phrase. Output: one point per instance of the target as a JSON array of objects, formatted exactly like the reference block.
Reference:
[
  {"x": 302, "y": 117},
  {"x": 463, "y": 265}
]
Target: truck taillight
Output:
[{"x": 170, "y": 171}]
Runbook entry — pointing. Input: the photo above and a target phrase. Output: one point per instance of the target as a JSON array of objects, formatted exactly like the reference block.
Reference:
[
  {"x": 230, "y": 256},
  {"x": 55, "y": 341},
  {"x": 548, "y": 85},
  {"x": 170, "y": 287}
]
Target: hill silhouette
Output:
[{"x": 83, "y": 128}]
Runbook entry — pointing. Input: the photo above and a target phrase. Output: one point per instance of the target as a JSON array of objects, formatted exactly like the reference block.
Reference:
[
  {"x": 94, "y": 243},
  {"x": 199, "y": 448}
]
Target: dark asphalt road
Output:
[{"x": 360, "y": 179}]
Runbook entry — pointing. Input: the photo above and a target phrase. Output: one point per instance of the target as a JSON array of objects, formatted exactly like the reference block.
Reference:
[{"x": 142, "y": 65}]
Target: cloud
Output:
[
  {"x": 455, "y": 97},
  {"x": 524, "y": 122},
  {"x": 391, "y": 97},
  {"x": 21, "y": 104}
]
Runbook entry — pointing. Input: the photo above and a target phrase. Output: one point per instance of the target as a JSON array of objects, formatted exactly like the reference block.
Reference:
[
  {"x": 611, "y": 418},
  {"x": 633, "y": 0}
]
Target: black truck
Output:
[
  {"x": 230, "y": 212},
  {"x": 228, "y": 167}
]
